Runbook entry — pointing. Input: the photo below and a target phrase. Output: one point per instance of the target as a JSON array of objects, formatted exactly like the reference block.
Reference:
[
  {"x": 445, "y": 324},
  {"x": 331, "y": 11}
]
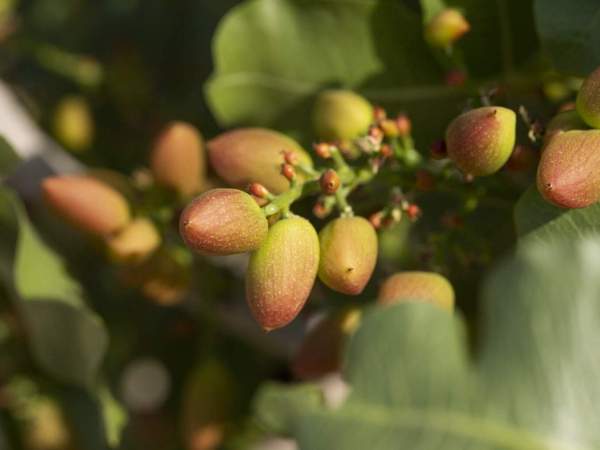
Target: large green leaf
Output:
[
  {"x": 533, "y": 384},
  {"x": 570, "y": 33},
  {"x": 67, "y": 339},
  {"x": 272, "y": 56},
  {"x": 538, "y": 220}
]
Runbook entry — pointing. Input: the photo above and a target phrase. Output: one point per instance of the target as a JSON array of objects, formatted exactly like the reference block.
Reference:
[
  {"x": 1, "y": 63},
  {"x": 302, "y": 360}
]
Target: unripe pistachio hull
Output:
[
  {"x": 446, "y": 27},
  {"x": 340, "y": 115},
  {"x": 135, "y": 242},
  {"x": 249, "y": 155},
  {"x": 564, "y": 121},
  {"x": 569, "y": 169},
  {"x": 348, "y": 254},
  {"x": 480, "y": 141},
  {"x": 428, "y": 287},
  {"x": 87, "y": 203},
  {"x": 281, "y": 273},
  {"x": 588, "y": 99},
  {"x": 177, "y": 159},
  {"x": 223, "y": 222}
]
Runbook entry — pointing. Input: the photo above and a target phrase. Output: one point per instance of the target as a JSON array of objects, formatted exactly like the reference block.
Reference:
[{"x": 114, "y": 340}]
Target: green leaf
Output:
[
  {"x": 8, "y": 158},
  {"x": 570, "y": 33},
  {"x": 533, "y": 385},
  {"x": 276, "y": 404},
  {"x": 538, "y": 220},
  {"x": 68, "y": 340},
  {"x": 376, "y": 47}
]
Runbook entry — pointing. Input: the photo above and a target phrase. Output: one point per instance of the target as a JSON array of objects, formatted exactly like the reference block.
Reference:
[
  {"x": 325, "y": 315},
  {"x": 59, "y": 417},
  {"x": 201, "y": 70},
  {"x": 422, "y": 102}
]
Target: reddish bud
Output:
[
  {"x": 376, "y": 133},
  {"x": 177, "y": 160},
  {"x": 379, "y": 114},
  {"x": 386, "y": 151},
  {"x": 417, "y": 286},
  {"x": 258, "y": 190},
  {"x": 287, "y": 170},
  {"x": 404, "y": 125},
  {"x": 290, "y": 157},
  {"x": 223, "y": 222},
  {"x": 376, "y": 219},
  {"x": 413, "y": 211},
  {"x": 249, "y": 155},
  {"x": 281, "y": 273},
  {"x": 323, "y": 150},
  {"x": 348, "y": 254},
  {"x": 330, "y": 182},
  {"x": 87, "y": 203}
]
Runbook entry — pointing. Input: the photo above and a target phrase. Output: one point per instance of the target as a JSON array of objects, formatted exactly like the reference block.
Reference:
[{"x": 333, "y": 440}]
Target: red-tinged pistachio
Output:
[
  {"x": 329, "y": 181},
  {"x": 446, "y": 27},
  {"x": 207, "y": 406},
  {"x": 87, "y": 203},
  {"x": 281, "y": 273},
  {"x": 322, "y": 349},
  {"x": 340, "y": 115},
  {"x": 563, "y": 121},
  {"x": 323, "y": 150},
  {"x": 427, "y": 287},
  {"x": 569, "y": 168},
  {"x": 134, "y": 243},
  {"x": 177, "y": 159},
  {"x": 249, "y": 155},
  {"x": 223, "y": 222},
  {"x": 480, "y": 141},
  {"x": 348, "y": 254},
  {"x": 588, "y": 99},
  {"x": 74, "y": 124}
]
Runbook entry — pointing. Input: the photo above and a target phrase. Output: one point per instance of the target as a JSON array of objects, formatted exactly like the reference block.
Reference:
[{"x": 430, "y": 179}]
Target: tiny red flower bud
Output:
[
  {"x": 323, "y": 150},
  {"x": 330, "y": 182},
  {"x": 455, "y": 77},
  {"x": 258, "y": 190},
  {"x": 376, "y": 219},
  {"x": 413, "y": 211},
  {"x": 290, "y": 157},
  {"x": 287, "y": 170},
  {"x": 403, "y": 124},
  {"x": 379, "y": 114},
  {"x": 320, "y": 210},
  {"x": 438, "y": 150},
  {"x": 386, "y": 151}
]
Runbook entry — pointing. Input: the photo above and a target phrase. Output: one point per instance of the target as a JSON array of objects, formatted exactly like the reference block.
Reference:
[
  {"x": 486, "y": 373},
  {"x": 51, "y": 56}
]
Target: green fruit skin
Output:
[
  {"x": 427, "y": 287},
  {"x": 348, "y": 254},
  {"x": 87, "y": 203},
  {"x": 177, "y": 160},
  {"x": 249, "y": 155},
  {"x": 341, "y": 115},
  {"x": 480, "y": 141},
  {"x": 588, "y": 99},
  {"x": 223, "y": 222},
  {"x": 564, "y": 121},
  {"x": 281, "y": 273},
  {"x": 569, "y": 169}
]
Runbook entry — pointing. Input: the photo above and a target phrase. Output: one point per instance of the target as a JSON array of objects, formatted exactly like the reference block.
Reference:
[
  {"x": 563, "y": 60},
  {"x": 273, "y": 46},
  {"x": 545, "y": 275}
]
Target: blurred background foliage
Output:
[{"x": 106, "y": 367}]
